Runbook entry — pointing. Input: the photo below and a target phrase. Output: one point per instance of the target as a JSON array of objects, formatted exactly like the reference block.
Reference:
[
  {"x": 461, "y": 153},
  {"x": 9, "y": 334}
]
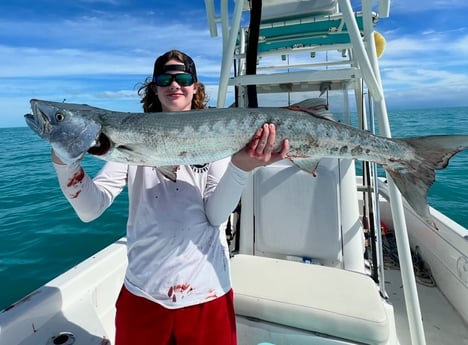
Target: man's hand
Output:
[{"x": 259, "y": 152}]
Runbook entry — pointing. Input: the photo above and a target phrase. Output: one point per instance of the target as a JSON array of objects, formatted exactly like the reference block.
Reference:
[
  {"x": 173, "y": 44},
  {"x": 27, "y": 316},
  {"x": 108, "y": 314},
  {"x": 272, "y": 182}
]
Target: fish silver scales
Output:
[{"x": 201, "y": 136}]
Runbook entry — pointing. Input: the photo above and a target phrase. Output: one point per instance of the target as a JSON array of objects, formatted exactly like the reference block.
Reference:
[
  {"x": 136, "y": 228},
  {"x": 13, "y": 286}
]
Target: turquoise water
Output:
[{"x": 41, "y": 236}]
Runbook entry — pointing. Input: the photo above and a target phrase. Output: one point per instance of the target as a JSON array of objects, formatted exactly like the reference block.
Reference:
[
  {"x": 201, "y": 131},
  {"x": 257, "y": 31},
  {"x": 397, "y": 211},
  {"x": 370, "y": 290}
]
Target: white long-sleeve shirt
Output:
[{"x": 177, "y": 253}]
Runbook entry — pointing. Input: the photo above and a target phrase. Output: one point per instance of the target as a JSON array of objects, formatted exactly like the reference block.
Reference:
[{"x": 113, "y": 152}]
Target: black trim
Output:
[{"x": 252, "y": 48}]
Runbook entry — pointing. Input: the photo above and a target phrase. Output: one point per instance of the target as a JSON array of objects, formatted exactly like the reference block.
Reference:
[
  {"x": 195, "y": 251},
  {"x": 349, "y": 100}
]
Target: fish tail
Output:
[{"x": 414, "y": 177}]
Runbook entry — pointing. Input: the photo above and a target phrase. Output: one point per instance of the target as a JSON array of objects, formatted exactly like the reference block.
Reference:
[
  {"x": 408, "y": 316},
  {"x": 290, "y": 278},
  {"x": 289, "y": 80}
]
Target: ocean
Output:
[{"x": 42, "y": 237}]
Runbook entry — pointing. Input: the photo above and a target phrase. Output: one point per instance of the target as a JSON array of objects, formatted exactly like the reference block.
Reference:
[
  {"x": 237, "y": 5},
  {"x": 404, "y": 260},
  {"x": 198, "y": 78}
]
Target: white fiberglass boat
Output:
[{"x": 314, "y": 259}]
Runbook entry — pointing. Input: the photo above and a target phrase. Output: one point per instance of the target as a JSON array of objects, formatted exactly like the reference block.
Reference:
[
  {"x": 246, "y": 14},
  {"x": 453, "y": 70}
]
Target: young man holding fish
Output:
[{"x": 177, "y": 288}]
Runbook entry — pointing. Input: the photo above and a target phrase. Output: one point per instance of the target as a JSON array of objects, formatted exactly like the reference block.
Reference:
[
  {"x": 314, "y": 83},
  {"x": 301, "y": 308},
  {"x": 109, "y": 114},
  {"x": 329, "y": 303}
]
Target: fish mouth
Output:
[
  {"x": 38, "y": 121},
  {"x": 31, "y": 121}
]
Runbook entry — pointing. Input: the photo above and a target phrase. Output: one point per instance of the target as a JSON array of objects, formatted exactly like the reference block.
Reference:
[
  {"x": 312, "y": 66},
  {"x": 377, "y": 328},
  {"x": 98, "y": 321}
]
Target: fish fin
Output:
[
  {"x": 307, "y": 164},
  {"x": 169, "y": 172},
  {"x": 417, "y": 175},
  {"x": 311, "y": 103},
  {"x": 317, "y": 107}
]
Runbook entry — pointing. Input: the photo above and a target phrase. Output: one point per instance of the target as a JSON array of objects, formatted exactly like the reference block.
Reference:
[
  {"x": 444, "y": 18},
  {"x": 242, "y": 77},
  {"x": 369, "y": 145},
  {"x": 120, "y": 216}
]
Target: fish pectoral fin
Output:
[
  {"x": 169, "y": 172},
  {"x": 307, "y": 164}
]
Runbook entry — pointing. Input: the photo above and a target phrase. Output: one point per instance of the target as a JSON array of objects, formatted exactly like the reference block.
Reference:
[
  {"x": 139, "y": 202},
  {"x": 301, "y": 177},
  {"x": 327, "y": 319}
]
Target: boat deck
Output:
[{"x": 442, "y": 327}]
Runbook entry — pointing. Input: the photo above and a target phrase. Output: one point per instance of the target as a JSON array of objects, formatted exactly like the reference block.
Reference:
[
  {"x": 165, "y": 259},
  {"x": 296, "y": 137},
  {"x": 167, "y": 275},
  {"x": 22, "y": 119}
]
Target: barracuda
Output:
[{"x": 200, "y": 136}]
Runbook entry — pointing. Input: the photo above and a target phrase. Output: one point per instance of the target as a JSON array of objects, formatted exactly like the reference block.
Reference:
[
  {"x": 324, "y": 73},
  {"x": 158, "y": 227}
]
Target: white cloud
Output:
[
  {"x": 428, "y": 69},
  {"x": 403, "y": 6},
  {"x": 99, "y": 56}
]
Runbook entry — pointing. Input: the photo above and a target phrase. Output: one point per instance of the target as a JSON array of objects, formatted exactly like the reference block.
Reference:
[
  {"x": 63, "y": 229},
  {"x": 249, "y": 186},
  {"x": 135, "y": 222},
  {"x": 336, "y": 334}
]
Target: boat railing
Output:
[{"x": 360, "y": 35}]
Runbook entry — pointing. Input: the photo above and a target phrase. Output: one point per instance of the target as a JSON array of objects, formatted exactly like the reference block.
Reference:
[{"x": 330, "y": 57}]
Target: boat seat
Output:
[
  {"x": 295, "y": 212},
  {"x": 289, "y": 24},
  {"x": 314, "y": 298},
  {"x": 318, "y": 31},
  {"x": 289, "y": 214}
]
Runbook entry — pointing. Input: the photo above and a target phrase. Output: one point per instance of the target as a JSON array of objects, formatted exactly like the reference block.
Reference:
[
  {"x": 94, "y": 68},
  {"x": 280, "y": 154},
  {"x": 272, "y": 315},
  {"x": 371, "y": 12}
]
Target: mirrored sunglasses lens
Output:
[
  {"x": 184, "y": 79},
  {"x": 164, "y": 79}
]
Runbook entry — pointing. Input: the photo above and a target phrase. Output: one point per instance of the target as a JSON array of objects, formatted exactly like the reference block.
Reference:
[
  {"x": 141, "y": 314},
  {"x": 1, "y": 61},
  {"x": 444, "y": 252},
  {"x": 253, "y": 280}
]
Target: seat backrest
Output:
[
  {"x": 288, "y": 213},
  {"x": 289, "y": 203}
]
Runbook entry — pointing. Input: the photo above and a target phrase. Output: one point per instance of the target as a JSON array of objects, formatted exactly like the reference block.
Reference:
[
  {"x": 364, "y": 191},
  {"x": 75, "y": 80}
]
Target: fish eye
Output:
[{"x": 59, "y": 117}]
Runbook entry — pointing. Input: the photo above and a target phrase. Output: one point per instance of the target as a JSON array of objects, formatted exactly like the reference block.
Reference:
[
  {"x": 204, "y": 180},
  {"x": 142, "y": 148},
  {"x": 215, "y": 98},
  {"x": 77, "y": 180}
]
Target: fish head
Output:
[{"x": 63, "y": 126}]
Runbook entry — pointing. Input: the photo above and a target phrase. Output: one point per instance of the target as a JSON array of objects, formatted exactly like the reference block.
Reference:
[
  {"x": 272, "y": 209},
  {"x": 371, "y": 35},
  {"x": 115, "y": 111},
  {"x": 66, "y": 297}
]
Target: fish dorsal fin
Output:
[{"x": 314, "y": 106}]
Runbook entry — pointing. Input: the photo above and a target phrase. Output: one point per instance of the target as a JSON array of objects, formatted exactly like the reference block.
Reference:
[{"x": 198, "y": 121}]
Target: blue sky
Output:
[{"x": 98, "y": 51}]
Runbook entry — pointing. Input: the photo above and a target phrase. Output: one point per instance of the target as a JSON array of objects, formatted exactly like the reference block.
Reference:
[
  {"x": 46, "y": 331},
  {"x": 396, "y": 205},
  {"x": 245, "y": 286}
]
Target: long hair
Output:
[{"x": 151, "y": 101}]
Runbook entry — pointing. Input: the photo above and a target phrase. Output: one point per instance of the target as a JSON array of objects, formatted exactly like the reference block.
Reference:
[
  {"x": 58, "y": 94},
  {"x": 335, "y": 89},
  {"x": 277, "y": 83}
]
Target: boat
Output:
[{"x": 336, "y": 258}]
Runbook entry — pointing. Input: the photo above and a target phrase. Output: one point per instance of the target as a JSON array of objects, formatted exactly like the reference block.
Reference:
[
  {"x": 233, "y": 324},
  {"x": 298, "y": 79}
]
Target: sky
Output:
[{"x": 100, "y": 51}]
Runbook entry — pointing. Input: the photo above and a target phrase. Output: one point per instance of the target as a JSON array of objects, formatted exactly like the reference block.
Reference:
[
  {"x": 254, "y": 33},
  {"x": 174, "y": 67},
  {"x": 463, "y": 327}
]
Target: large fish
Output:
[{"x": 201, "y": 136}]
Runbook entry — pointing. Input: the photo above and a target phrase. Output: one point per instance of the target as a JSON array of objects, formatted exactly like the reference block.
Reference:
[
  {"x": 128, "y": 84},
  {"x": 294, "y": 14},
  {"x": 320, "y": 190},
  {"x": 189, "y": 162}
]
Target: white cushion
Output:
[
  {"x": 316, "y": 298},
  {"x": 296, "y": 213}
]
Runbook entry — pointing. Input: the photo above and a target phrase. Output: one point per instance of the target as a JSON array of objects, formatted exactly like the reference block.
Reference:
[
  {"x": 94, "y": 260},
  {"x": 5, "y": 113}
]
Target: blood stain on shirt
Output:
[
  {"x": 182, "y": 287},
  {"x": 77, "y": 178},
  {"x": 178, "y": 289},
  {"x": 211, "y": 294},
  {"x": 74, "y": 196}
]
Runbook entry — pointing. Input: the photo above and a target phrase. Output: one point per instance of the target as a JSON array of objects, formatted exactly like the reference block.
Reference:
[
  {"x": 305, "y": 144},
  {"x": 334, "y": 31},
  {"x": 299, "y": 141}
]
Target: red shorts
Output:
[{"x": 141, "y": 321}]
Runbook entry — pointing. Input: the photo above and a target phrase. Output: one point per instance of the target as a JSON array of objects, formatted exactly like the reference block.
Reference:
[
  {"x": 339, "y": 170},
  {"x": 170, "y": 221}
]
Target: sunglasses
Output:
[{"x": 183, "y": 79}]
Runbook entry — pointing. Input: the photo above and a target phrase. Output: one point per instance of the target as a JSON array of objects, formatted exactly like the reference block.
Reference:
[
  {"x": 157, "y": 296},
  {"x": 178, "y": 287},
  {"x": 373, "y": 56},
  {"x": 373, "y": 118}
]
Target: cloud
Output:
[
  {"x": 97, "y": 51},
  {"x": 96, "y": 46},
  {"x": 402, "y": 6},
  {"x": 96, "y": 57},
  {"x": 424, "y": 69}
]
